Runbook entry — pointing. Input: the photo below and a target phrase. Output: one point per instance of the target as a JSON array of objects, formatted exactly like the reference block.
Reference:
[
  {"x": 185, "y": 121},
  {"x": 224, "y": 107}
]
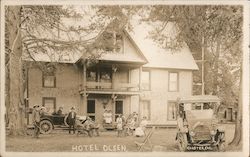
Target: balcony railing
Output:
[{"x": 111, "y": 86}]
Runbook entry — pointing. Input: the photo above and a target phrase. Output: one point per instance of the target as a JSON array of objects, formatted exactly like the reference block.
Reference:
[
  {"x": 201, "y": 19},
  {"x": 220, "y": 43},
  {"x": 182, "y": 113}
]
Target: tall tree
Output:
[
  {"x": 215, "y": 30},
  {"x": 36, "y": 29}
]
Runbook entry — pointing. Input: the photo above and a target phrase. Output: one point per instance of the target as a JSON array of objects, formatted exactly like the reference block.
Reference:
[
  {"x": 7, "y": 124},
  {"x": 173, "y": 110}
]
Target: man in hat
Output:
[
  {"x": 72, "y": 120},
  {"x": 36, "y": 120}
]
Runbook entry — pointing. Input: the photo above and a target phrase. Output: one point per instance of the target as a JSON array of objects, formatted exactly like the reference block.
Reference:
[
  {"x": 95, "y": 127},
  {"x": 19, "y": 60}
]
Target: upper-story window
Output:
[
  {"x": 106, "y": 75},
  {"x": 173, "y": 81},
  {"x": 113, "y": 42},
  {"x": 49, "y": 78},
  {"x": 91, "y": 75},
  {"x": 145, "y": 80}
]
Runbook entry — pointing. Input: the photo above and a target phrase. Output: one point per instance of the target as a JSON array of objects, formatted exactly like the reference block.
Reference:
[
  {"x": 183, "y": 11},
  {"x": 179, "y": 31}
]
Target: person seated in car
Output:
[{"x": 60, "y": 111}]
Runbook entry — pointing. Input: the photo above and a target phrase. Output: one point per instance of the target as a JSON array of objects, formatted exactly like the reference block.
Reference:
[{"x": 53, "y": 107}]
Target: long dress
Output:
[
  {"x": 140, "y": 131},
  {"x": 119, "y": 123}
]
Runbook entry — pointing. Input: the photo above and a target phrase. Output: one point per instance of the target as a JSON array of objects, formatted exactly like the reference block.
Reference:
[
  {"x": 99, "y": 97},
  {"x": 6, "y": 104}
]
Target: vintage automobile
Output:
[
  {"x": 50, "y": 121},
  {"x": 197, "y": 124}
]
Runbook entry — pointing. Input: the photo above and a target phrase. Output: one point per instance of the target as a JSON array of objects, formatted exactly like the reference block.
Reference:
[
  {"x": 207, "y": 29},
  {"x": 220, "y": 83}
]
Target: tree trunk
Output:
[
  {"x": 238, "y": 126},
  {"x": 16, "y": 105},
  {"x": 216, "y": 67}
]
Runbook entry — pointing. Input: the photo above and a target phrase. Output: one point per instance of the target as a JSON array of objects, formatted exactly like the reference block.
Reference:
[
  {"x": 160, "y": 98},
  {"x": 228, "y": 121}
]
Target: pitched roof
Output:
[
  {"x": 147, "y": 51},
  {"x": 159, "y": 57}
]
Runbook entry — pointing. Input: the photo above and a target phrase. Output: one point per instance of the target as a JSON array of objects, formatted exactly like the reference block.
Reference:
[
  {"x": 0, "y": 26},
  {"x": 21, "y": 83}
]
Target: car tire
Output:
[
  {"x": 182, "y": 141},
  {"x": 221, "y": 147},
  {"x": 46, "y": 127}
]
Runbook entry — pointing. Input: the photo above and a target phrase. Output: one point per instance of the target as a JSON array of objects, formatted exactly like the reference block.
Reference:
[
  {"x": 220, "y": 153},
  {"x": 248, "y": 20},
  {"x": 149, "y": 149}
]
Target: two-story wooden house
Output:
[{"x": 137, "y": 77}]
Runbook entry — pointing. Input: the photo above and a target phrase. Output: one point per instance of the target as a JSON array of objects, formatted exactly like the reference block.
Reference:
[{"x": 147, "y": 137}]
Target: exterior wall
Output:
[
  {"x": 159, "y": 96},
  {"x": 67, "y": 95},
  {"x": 66, "y": 91}
]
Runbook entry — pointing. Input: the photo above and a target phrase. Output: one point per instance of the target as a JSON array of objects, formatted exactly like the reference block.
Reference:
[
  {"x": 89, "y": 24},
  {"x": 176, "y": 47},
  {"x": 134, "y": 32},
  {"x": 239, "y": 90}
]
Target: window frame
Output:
[
  {"x": 46, "y": 75},
  {"x": 149, "y": 79},
  {"x": 168, "y": 106},
  {"x": 149, "y": 110},
  {"x": 49, "y": 98},
  {"x": 107, "y": 35},
  {"x": 107, "y": 71},
  {"x": 177, "y": 81},
  {"x": 96, "y": 75}
]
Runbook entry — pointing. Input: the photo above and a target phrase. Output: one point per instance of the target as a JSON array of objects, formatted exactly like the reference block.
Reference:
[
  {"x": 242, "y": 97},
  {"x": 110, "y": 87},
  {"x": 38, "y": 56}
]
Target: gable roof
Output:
[
  {"x": 131, "y": 52},
  {"x": 146, "y": 52},
  {"x": 159, "y": 57}
]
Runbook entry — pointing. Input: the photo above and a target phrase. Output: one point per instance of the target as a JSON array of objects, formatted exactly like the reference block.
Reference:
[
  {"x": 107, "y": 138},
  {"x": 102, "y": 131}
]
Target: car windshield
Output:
[
  {"x": 196, "y": 106},
  {"x": 202, "y": 106}
]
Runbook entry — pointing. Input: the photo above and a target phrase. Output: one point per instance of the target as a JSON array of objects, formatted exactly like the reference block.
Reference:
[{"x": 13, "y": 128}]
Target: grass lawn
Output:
[{"x": 61, "y": 141}]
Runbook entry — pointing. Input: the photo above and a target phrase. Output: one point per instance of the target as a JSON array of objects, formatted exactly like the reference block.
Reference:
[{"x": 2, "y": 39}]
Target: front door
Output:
[
  {"x": 91, "y": 109},
  {"x": 118, "y": 108}
]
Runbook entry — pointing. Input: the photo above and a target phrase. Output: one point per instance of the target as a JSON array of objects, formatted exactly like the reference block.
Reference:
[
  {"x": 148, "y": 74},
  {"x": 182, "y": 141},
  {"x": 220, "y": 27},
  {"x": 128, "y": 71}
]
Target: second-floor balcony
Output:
[
  {"x": 109, "y": 87},
  {"x": 112, "y": 86},
  {"x": 110, "y": 79}
]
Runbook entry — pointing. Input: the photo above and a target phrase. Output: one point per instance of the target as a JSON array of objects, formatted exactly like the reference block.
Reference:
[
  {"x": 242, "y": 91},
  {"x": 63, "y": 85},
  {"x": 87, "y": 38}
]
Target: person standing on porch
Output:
[
  {"x": 36, "y": 117},
  {"x": 72, "y": 120}
]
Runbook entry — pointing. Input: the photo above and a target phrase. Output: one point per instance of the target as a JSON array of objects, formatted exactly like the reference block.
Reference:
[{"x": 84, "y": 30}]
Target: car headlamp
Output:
[
  {"x": 192, "y": 133},
  {"x": 213, "y": 132}
]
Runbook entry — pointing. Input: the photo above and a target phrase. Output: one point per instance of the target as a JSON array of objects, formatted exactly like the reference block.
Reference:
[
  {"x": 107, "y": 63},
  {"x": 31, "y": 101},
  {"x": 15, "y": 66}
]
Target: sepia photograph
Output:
[{"x": 124, "y": 77}]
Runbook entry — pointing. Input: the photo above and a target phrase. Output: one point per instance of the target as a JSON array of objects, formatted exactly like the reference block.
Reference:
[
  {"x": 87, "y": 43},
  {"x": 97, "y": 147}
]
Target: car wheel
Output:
[
  {"x": 46, "y": 127},
  {"x": 182, "y": 142},
  {"x": 221, "y": 147}
]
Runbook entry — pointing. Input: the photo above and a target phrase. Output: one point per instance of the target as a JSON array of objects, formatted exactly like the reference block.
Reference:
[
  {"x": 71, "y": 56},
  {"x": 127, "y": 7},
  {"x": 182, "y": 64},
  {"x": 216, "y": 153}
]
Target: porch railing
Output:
[{"x": 111, "y": 86}]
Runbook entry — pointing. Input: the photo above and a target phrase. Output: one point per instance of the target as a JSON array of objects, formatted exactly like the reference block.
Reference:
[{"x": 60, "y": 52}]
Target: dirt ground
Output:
[{"x": 61, "y": 141}]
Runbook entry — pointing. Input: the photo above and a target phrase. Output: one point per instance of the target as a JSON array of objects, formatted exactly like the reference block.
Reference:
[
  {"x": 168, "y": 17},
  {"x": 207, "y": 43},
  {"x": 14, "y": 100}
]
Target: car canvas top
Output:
[{"x": 199, "y": 98}]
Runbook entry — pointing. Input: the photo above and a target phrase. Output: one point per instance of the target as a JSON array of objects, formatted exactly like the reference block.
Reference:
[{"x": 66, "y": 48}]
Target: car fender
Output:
[{"x": 221, "y": 128}]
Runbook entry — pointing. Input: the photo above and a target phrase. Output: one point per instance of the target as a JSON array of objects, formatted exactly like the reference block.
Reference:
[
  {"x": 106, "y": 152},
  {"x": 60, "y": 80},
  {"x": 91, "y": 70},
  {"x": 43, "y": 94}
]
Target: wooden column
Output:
[
  {"x": 83, "y": 107},
  {"x": 114, "y": 69},
  {"x": 140, "y": 89}
]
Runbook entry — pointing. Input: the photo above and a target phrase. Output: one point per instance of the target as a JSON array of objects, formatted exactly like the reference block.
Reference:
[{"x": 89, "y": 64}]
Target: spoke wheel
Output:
[
  {"x": 182, "y": 142},
  {"x": 46, "y": 127}
]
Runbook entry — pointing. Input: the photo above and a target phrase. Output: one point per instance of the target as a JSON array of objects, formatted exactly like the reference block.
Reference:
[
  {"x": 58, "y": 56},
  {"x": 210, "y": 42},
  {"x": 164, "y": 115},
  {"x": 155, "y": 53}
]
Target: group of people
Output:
[
  {"x": 124, "y": 127},
  {"x": 38, "y": 112},
  {"x": 131, "y": 126}
]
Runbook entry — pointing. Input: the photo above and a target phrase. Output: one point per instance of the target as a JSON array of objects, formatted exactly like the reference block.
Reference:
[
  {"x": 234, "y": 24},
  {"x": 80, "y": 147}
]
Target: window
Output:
[
  {"x": 49, "y": 80},
  {"x": 172, "y": 111},
  {"x": 106, "y": 75},
  {"x": 145, "y": 80},
  {"x": 173, "y": 83},
  {"x": 146, "y": 109},
  {"x": 91, "y": 75},
  {"x": 118, "y": 108},
  {"x": 113, "y": 42},
  {"x": 91, "y": 109},
  {"x": 50, "y": 104}
]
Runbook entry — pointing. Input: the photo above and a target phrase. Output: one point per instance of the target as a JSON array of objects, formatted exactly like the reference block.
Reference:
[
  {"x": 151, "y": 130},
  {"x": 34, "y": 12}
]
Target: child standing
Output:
[{"x": 119, "y": 125}]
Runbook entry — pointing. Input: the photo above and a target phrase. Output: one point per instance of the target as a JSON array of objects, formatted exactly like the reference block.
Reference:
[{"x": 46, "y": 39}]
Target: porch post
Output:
[
  {"x": 114, "y": 69},
  {"x": 140, "y": 90},
  {"x": 84, "y": 105}
]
